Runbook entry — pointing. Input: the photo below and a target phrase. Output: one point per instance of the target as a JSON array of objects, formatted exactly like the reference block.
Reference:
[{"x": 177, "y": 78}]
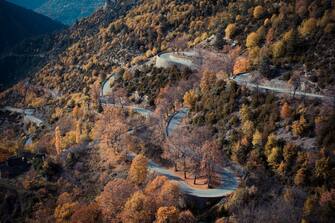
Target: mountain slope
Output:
[
  {"x": 31, "y": 4},
  {"x": 18, "y": 23},
  {"x": 70, "y": 10}
]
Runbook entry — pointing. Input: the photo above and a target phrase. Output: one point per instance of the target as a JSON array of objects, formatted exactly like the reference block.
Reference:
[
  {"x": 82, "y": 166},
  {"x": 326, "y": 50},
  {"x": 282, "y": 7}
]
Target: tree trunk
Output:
[
  {"x": 208, "y": 176},
  {"x": 195, "y": 179},
  {"x": 175, "y": 167}
]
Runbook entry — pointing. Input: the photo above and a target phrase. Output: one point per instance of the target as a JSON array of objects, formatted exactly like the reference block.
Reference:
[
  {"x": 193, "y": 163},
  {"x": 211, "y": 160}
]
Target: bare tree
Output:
[
  {"x": 211, "y": 156},
  {"x": 121, "y": 95},
  {"x": 295, "y": 82},
  {"x": 110, "y": 126},
  {"x": 95, "y": 94},
  {"x": 198, "y": 136}
]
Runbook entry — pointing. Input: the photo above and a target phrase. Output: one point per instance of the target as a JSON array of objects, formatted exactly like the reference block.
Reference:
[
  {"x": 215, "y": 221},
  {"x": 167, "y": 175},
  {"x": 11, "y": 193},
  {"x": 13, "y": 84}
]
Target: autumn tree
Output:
[
  {"x": 78, "y": 132},
  {"x": 137, "y": 209},
  {"x": 248, "y": 128},
  {"x": 178, "y": 149},
  {"x": 300, "y": 177},
  {"x": 271, "y": 142},
  {"x": 278, "y": 49},
  {"x": 234, "y": 62},
  {"x": 75, "y": 112},
  {"x": 190, "y": 98},
  {"x": 211, "y": 157},
  {"x": 109, "y": 128},
  {"x": 307, "y": 27},
  {"x": 86, "y": 213},
  {"x": 230, "y": 30},
  {"x": 207, "y": 80},
  {"x": 245, "y": 113},
  {"x": 252, "y": 40},
  {"x": 241, "y": 65},
  {"x": 274, "y": 157},
  {"x": 186, "y": 217},
  {"x": 299, "y": 126},
  {"x": 257, "y": 138},
  {"x": 162, "y": 192},
  {"x": 138, "y": 170},
  {"x": 285, "y": 111},
  {"x": 95, "y": 95},
  {"x": 258, "y": 11},
  {"x": 58, "y": 142},
  {"x": 112, "y": 199},
  {"x": 121, "y": 95},
  {"x": 167, "y": 215}
]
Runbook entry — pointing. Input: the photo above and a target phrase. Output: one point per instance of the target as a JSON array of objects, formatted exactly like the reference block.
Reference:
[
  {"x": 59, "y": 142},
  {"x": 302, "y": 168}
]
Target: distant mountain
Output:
[
  {"x": 65, "y": 11},
  {"x": 68, "y": 11},
  {"x": 29, "y": 4},
  {"x": 18, "y": 24}
]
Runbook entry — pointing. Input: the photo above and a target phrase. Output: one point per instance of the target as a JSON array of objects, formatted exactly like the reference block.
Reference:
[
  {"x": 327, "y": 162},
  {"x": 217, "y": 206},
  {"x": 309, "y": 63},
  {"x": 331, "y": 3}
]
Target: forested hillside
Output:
[{"x": 177, "y": 111}]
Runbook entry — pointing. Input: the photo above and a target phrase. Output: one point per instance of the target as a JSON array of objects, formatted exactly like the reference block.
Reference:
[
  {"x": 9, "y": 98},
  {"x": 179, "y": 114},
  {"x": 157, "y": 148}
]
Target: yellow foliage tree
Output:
[
  {"x": 298, "y": 127},
  {"x": 285, "y": 111},
  {"x": 245, "y": 113},
  {"x": 257, "y": 138},
  {"x": 248, "y": 128},
  {"x": 273, "y": 157},
  {"x": 278, "y": 49},
  {"x": 241, "y": 65},
  {"x": 258, "y": 11},
  {"x": 78, "y": 132},
  {"x": 63, "y": 212},
  {"x": 252, "y": 40},
  {"x": 271, "y": 142},
  {"x": 307, "y": 27},
  {"x": 137, "y": 209},
  {"x": 167, "y": 215},
  {"x": 190, "y": 98},
  {"x": 138, "y": 170},
  {"x": 58, "y": 140},
  {"x": 230, "y": 30}
]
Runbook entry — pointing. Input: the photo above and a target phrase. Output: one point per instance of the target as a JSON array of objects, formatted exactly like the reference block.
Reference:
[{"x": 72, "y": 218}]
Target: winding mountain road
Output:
[
  {"x": 242, "y": 80},
  {"x": 228, "y": 181}
]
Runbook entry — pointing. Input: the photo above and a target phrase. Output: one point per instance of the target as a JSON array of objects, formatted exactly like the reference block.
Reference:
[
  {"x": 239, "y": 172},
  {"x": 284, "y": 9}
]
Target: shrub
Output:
[
  {"x": 230, "y": 30},
  {"x": 307, "y": 27},
  {"x": 252, "y": 40},
  {"x": 258, "y": 11}
]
